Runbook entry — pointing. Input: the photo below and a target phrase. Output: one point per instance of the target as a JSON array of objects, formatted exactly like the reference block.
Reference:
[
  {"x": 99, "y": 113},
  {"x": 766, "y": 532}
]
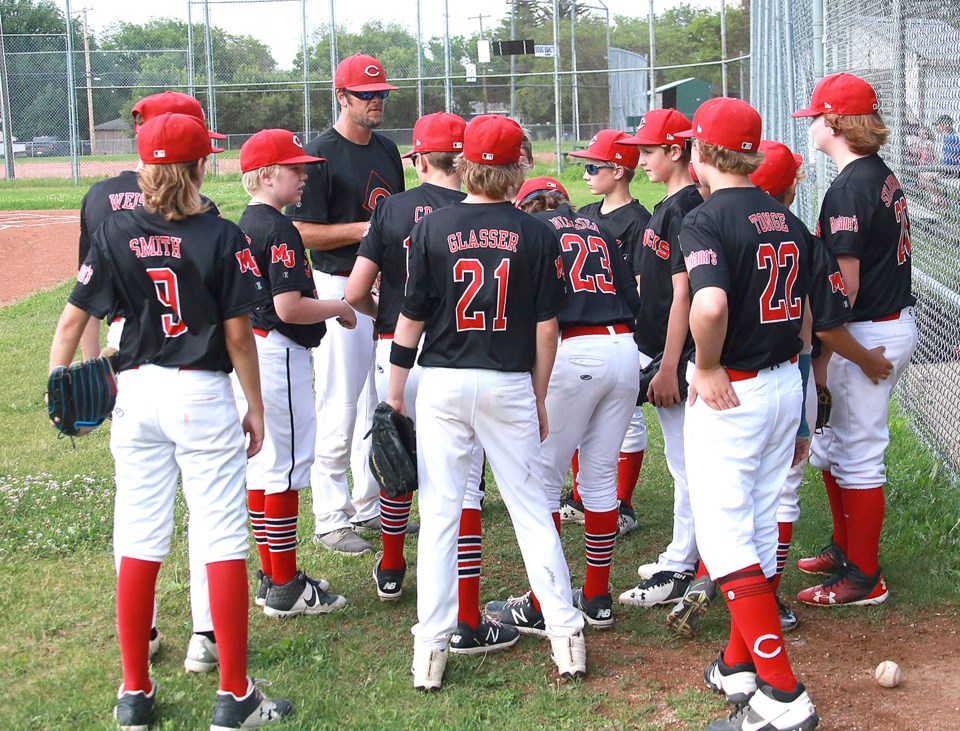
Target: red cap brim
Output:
[
  {"x": 216, "y": 135},
  {"x": 684, "y": 135},
  {"x": 586, "y": 154},
  {"x": 378, "y": 86},
  {"x": 215, "y": 149},
  {"x": 301, "y": 159},
  {"x": 808, "y": 112}
]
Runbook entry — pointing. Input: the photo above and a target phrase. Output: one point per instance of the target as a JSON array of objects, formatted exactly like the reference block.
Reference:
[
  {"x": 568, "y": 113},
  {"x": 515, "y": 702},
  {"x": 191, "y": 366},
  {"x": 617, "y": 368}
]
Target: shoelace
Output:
[{"x": 522, "y": 599}]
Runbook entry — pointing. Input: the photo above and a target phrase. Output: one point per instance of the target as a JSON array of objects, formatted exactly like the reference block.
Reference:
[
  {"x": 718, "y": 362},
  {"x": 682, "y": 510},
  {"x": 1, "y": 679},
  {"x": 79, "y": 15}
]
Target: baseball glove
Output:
[
  {"x": 824, "y": 404},
  {"x": 81, "y": 397},
  {"x": 653, "y": 368},
  {"x": 393, "y": 452}
]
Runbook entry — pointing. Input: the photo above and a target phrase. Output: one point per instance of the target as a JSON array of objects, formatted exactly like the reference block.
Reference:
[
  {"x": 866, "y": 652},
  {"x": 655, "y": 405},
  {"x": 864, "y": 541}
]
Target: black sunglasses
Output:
[
  {"x": 368, "y": 95},
  {"x": 593, "y": 169}
]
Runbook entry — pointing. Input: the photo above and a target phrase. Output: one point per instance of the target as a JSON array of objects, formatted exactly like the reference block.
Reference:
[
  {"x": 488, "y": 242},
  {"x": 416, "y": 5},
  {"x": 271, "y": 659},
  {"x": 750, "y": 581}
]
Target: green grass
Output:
[{"x": 60, "y": 667}]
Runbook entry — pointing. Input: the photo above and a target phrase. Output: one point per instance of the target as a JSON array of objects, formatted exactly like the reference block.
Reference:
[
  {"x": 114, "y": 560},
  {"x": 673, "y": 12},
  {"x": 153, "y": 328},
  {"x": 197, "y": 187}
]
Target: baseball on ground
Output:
[{"x": 888, "y": 674}]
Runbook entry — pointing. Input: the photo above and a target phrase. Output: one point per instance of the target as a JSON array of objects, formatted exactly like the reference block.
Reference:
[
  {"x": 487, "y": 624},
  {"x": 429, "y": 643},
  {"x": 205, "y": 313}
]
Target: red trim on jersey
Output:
[{"x": 581, "y": 330}]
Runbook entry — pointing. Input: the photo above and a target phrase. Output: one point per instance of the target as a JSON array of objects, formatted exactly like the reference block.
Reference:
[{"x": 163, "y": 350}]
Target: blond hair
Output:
[
  {"x": 865, "y": 133},
  {"x": 492, "y": 181},
  {"x": 172, "y": 190},
  {"x": 729, "y": 161},
  {"x": 251, "y": 178}
]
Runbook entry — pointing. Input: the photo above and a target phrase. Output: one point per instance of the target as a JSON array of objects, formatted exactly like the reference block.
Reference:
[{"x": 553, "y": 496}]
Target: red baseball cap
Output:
[
  {"x": 439, "y": 132},
  {"x": 273, "y": 147},
  {"x": 172, "y": 138},
  {"x": 361, "y": 73},
  {"x": 778, "y": 169},
  {"x": 841, "y": 94},
  {"x": 173, "y": 102},
  {"x": 693, "y": 175},
  {"x": 659, "y": 127},
  {"x": 492, "y": 140},
  {"x": 604, "y": 147},
  {"x": 543, "y": 184},
  {"x": 729, "y": 123}
]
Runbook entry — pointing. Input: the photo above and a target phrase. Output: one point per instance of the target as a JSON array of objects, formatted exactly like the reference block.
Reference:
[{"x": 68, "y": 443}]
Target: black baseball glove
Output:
[
  {"x": 393, "y": 452},
  {"x": 81, "y": 397},
  {"x": 824, "y": 405}
]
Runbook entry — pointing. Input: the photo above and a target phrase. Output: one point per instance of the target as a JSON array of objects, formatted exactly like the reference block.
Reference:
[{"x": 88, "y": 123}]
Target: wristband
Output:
[
  {"x": 803, "y": 431},
  {"x": 402, "y": 357}
]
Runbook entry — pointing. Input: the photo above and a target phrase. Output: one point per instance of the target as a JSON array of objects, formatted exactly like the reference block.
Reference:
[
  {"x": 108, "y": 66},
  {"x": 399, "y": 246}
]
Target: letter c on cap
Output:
[{"x": 371, "y": 70}]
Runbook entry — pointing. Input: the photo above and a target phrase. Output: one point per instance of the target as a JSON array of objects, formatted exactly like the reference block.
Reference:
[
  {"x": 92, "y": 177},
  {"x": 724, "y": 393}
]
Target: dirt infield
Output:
[{"x": 38, "y": 249}]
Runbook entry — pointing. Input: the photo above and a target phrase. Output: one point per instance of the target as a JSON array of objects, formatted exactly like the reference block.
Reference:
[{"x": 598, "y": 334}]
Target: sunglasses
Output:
[
  {"x": 366, "y": 96},
  {"x": 593, "y": 169}
]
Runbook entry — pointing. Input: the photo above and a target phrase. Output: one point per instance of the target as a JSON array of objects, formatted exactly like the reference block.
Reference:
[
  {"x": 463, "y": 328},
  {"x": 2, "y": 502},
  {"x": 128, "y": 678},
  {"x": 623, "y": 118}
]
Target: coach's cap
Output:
[
  {"x": 492, "y": 140},
  {"x": 361, "y": 73},
  {"x": 729, "y": 123},
  {"x": 169, "y": 101},
  {"x": 778, "y": 169},
  {"x": 438, "y": 132},
  {"x": 604, "y": 147},
  {"x": 841, "y": 94},
  {"x": 172, "y": 138},
  {"x": 273, "y": 147},
  {"x": 543, "y": 184},
  {"x": 659, "y": 127}
]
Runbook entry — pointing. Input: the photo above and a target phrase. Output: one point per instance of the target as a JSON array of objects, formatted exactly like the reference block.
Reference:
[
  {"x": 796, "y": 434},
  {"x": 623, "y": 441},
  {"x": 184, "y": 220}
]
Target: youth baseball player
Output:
[
  {"x": 748, "y": 263},
  {"x": 104, "y": 199},
  {"x": 592, "y": 393},
  {"x": 362, "y": 169},
  {"x": 608, "y": 170},
  {"x": 865, "y": 223},
  {"x": 186, "y": 282},
  {"x": 272, "y": 162},
  {"x": 662, "y": 330},
  {"x": 485, "y": 288}
]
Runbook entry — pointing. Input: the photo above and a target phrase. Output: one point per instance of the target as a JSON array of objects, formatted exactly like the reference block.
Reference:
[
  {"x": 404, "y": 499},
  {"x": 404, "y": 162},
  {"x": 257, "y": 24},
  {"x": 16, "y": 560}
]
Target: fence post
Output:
[
  {"x": 211, "y": 99},
  {"x": 306, "y": 69},
  {"x": 72, "y": 101},
  {"x": 5, "y": 109}
]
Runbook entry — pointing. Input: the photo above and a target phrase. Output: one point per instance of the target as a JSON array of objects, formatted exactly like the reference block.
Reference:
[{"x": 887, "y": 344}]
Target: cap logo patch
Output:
[
  {"x": 746, "y": 145},
  {"x": 594, "y": 140},
  {"x": 618, "y": 156},
  {"x": 487, "y": 156},
  {"x": 827, "y": 105},
  {"x": 457, "y": 145},
  {"x": 643, "y": 121},
  {"x": 296, "y": 141},
  {"x": 159, "y": 153},
  {"x": 669, "y": 136},
  {"x": 876, "y": 106},
  {"x": 699, "y": 129},
  {"x": 418, "y": 143},
  {"x": 372, "y": 70}
]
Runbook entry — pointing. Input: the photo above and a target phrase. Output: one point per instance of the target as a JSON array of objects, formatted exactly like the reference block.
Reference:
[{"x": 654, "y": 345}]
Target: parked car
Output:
[
  {"x": 48, "y": 146},
  {"x": 19, "y": 148}
]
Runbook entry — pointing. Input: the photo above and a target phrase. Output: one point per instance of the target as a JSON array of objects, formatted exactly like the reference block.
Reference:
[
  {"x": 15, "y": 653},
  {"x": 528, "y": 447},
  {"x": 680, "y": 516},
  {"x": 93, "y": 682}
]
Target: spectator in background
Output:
[{"x": 950, "y": 144}]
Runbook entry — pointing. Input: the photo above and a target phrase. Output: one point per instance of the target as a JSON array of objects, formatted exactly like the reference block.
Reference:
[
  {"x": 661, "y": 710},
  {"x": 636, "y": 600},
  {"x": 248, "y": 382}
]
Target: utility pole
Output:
[
  {"x": 558, "y": 121},
  {"x": 447, "y": 88},
  {"x": 86, "y": 65},
  {"x": 723, "y": 46},
  {"x": 652, "y": 61},
  {"x": 305, "y": 51},
  {"x": 334, "y": 104},
  {"x": 513, "y": 60},
  {"x": 483, "y": 75},
  {"x": 573, "y": 67}
]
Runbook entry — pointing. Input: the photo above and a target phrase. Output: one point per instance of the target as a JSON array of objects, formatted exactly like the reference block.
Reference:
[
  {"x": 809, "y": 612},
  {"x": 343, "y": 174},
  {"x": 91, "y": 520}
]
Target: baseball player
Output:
[
  {"x": 662, "y": 330},
  {"x": 272, "y": 162},
  {"x": 186, "y": 282},
  {"x": 438, "y": 139},
  {"x": 864, "y": 222},
  {"x": 362, "y": 169},
  {"x": 608, "y": 170},
  {"x": 101, "y": 201},
  {"x": 748, "y": 263},
  {"x": 485, "y": 288},
  {"x": 592, "y": 393}
]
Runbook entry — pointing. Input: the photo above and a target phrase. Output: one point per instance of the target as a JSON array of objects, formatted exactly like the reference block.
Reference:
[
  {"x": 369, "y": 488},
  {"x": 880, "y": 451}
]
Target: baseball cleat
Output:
[
  {"x": 598, "y": 611},
  {"x": 772, "y": 710},
  {"x": 488, "y": 636},
  {"x": 519, "y": 612},
  {"x": 571, "y": 511},
  {"x": 248, "y": 711},
  {"x": 154, "y": 647},
  {"x": 684, "y": 618},
  {"x": 664, "y": 587},
  {"x": 570, "y": 655},
  {"x": 428, "y": 666},
  {"x": 300, "y": 595},
  {"x": 202, "y": 655},
  {"x": 373, "y": 525},
  {"x": 848, "y": 587},
  {"x": 645, "y": 571},
  {"x": 343, "y": 541},
  {"x": 389, "y": 581},
  {"x": 626, "y": 519},
  {"x": 264, "y": 583},
  {"x": 788, "y": 618},
  {"x": 828, "y": 562},
  {"x": 134, "y": 708},
  {"x": 736, "y": 682}
]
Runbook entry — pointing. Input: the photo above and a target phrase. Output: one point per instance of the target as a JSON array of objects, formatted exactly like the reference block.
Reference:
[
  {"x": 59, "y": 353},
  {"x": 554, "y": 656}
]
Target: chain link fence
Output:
[{"x": 910, "y": 51}]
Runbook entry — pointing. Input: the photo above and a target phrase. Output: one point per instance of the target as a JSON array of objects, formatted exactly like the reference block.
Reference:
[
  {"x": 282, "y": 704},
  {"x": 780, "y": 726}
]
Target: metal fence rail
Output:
[{"x": 910, "y": 51}]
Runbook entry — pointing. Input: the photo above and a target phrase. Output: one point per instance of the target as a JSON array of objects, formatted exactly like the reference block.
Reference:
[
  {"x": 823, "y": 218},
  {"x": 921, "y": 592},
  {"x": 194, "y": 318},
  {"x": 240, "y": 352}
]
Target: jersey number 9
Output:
[{"x": 168, "y": 292}]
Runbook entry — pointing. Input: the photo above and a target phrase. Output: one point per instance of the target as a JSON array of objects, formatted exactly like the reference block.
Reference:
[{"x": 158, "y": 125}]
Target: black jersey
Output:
[
  {"x": 175, "y": 281},
  {"x": 600, "y": 288},
  {"x": 754, "y": 249},
  {"x": 659, "y": 259},
  {"x": 482, "y": 275},
  {"x": 828, "y": 295},
  {"x": 864, "y": 215},
  {"x": 626, "y": 223},
  {"x": 119, "y": 193},
  {"x": 386, "y": 238},
  {"x": 346, "y": 188},
  {"x": 284, "y": 266}
]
